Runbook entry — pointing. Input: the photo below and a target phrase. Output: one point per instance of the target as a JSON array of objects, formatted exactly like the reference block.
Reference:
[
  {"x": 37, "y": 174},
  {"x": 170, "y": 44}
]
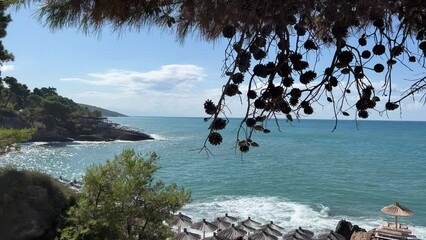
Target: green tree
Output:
[
  {"x": 44, "y": 92},
  {"x": 274, "y": 52},
  {"x": 55, "y": 110},
  {"x": 5, "y": 56},
  {"x": 122, "y": 200},
  {"x": 32, "y": 110},
  {"x": 15, "y": 91},
  {"x": 9, "y": 137}
]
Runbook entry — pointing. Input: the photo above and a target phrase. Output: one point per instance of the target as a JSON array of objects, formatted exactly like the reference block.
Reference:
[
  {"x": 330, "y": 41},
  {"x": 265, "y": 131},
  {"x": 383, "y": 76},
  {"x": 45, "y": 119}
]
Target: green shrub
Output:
[{"x": 122, "y": 200}]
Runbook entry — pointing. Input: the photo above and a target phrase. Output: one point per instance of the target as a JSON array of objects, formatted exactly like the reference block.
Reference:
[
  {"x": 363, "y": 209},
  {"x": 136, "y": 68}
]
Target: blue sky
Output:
[{"x": 145, "y": 73}]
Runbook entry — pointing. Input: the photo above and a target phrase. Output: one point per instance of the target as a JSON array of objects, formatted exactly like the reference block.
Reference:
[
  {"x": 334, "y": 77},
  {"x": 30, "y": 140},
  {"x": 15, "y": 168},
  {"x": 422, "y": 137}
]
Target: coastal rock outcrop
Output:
[
  {"x": 106, "y": 133},
  {"x": 51, "y": 135},
  {"x": 362, "y": 235},
  {"x": 346, "y": 229},
  {"x": 119, "y": 133}
]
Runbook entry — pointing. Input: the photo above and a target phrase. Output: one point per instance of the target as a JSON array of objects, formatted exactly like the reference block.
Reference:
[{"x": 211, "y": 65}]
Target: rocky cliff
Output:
[{"x": 105, "y": 133}]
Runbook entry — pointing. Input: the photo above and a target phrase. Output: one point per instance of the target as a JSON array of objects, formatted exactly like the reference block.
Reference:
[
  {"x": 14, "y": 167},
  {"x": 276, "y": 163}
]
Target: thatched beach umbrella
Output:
[
  {"x": 270, "y": 230},
  {"x": 273, "y": 225},
  {"x": 228, "y": 218},
  {"x": 216, "y": 237},
  {"x": 396, "y": 210},
  {"x": 204, "y": 226},
  {"x": 251, "y": 223},
  {"x": 296, "y": 236},
  {"x": 185, "y": 235},
  {"x": 181, "y": 220},
  {"x": 245, "y": 227},
  {"x": 331, "y": 236},
  {"x": 299, "y": 234},
  {"x": 232, "y": 232},
  {"x": 262, "y": 235},
  {"x": 221, "y": 224}
]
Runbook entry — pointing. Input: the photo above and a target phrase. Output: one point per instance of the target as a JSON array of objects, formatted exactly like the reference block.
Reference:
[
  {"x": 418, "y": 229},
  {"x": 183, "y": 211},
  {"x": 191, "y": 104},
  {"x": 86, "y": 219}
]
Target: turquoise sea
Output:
[{"x": 304, "y": 175}]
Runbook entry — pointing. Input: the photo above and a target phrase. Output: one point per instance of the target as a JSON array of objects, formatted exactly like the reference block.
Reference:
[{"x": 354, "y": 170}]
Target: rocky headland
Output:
[
  {"x": 81, "y": 129},
  {"x": 106, "y": 133}
]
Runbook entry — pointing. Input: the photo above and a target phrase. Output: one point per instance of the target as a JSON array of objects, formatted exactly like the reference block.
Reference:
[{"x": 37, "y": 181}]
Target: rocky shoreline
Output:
[
  {"x": 107, "y": 133},
  {"x": 81, "y": 129}
]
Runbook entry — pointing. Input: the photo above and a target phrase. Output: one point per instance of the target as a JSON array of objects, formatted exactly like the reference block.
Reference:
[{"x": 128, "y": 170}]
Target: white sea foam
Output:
[
  {"x": 283, "y": 212},
  {"x": 91, "y": 142},
  {"x": 123, "y": 141},
  {"x": 420, "y": 232},
  {"x": 159, "y": 137},
  {"x": 34, "y": 143}
]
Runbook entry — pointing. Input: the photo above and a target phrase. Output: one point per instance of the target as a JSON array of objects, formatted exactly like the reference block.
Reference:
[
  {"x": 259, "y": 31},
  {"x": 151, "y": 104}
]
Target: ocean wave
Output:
[
  {"x": 34, "y": 143},
  {"x": 283, "y": 212},
  {"x": 420, "y": 232},
  {"x": 92, "y": 142},
  {"x": 159, "y": 137}
]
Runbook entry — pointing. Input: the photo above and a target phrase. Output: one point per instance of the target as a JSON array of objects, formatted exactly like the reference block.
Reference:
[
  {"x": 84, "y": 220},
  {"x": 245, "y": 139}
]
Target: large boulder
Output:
[
  {"x": 356, "y": 228},
  {"x": 346, "y": 229},
  {"x": 362, "y": 235},
  {"x": 32, "y": 205}
]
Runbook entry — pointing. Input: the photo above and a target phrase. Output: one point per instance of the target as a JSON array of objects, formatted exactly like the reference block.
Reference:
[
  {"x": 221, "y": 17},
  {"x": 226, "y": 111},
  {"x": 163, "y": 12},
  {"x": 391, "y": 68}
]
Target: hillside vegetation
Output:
[
  {"x": 40, "y": 108},
  {"x": 104, "y": 112},
  {"x": 55, "y": 117}
]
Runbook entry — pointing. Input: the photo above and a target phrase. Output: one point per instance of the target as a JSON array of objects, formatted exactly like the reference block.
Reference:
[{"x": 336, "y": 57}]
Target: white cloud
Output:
[
  {"x": 415, "y": 106},
  {"x": 7, "y": 68},
  {"x": 152, "y": 103},
  {"x": 167, "y": 78},
  {"x": 171, "y": 90}
]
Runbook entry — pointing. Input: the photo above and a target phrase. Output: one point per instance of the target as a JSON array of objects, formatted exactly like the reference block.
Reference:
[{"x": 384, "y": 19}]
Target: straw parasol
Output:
[
  {"x": 228, "y": 218},
  {"x": 181, "y": 220},
  {"x": 262, "y": 235},
  {"x": 185, "y": 235},
  {"x": 273, "y": 225},
  {"x": 232, "y": 232},
  {"x": 299, "y": 234},
  {"x": 204, "y": 226},
  {"x": 331, "y": 236},
  {"x": 251, "y": 223},
  {"x": 221, "y": 224},
  {"x": 246, "y": 228},
  {"x": 396, "y": 210},
  {"x": 216, "y": 237},
  {"x": 270, "y": 230}
]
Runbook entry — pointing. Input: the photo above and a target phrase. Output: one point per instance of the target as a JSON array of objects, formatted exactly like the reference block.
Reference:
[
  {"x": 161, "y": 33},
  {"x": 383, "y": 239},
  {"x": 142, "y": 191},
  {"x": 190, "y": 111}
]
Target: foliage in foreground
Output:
[
  {"x": 122, "y": 200},
  {"x": 31, "y": 201}
]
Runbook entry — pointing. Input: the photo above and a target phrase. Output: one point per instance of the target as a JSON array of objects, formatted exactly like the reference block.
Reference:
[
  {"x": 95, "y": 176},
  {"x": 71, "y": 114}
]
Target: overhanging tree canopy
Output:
[{"x": 274, "y": 59}]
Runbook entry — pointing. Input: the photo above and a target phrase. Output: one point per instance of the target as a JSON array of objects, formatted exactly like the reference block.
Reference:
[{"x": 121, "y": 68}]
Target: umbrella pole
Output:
[
  {"x": 396, "y": 221},
  {"x": 179, "y": 229},
  {"x": 204, "y": 234}
]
